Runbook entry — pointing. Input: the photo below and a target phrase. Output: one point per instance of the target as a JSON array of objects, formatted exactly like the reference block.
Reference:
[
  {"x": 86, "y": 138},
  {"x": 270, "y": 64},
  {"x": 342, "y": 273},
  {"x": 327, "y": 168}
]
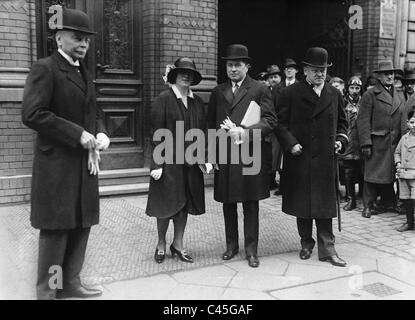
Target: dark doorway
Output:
[{"x": 276, "y": 29}]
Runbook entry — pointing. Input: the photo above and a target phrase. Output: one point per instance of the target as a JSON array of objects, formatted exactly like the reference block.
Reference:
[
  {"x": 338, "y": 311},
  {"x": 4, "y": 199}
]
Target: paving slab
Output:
[
  {"x": 148, "y": 288},
  {"x": 267, "y": 265},
  {"x": 398, "y": 268},
  {"x": 194, "y": 292},
  {"x": 219, "y": 276},
  {"x": 370, "y": 286},
  {"x": 244, "y": 294}
]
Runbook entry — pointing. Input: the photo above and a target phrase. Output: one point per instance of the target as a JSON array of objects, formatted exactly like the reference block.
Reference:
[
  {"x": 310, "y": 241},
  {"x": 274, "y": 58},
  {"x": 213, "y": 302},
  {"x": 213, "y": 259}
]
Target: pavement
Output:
[{"x": 119, "y": 258}]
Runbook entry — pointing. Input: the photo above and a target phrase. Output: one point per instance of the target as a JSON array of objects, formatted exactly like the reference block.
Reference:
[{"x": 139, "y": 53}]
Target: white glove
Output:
[
  {"x": 93, "y": 162},
  {"x": 103, "y": 142},
  {"x": 156, "y": 174},
  {"x": 227, "y": 124}
]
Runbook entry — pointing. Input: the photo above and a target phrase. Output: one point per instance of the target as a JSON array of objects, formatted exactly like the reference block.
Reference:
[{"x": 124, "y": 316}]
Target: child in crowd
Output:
[{"x": 405, "y": 171}]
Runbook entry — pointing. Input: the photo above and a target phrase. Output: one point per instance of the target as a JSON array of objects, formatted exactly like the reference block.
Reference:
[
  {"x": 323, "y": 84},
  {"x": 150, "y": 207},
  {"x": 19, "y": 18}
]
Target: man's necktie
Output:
[{"x": 235, "y": 90}]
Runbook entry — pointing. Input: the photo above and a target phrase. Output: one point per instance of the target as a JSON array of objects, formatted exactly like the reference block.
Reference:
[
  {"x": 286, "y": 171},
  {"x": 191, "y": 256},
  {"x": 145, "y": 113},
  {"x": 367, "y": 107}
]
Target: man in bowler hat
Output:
[
  {"x": 379, "y": 127},
  {"x": 312, "y": 128},
  {"x": 231, "y": 99},
  {"x": 59, "y": 104}
]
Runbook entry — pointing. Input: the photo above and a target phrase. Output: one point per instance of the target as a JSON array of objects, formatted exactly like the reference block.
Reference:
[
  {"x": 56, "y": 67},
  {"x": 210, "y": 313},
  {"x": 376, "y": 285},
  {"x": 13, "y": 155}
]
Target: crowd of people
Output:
[
  {"x": 307, "y": 124},
  {"x": 374, "y": 130}
]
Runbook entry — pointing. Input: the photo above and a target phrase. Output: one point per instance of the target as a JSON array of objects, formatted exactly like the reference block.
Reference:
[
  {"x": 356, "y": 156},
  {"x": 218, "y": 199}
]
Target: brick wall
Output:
[
  {"x": 17, "y": 51},
  {"x": 16, "y": 20},
  {"x": 368, "y": 48}
]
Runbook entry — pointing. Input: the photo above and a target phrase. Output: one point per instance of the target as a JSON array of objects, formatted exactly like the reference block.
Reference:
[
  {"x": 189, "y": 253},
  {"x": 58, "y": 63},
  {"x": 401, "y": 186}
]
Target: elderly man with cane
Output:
[{"x": 312, "y": 130}]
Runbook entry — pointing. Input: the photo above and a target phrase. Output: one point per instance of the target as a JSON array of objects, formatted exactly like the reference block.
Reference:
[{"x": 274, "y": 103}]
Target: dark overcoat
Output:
[
  {"x": 379, "y": 126},
  {"x": 276, "y": 147},
  {"x": 231, "y": 185},
  {"x": 59, "y": 104},
  {"x": 168, "y": 195},
  {"x": 308, "y": 180}
]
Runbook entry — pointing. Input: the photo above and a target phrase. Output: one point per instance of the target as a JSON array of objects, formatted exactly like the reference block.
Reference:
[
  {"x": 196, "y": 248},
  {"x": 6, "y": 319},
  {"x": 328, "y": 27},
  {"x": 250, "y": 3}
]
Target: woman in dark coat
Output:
[{"x": 177, "y": 186}]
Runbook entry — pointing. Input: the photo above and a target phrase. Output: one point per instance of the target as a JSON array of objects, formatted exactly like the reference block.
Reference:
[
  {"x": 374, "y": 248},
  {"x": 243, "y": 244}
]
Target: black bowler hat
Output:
[
  {"x": 317, "y": 57},
  {"x": 184, "y": 64},
  {"x": 75, "y": 20},
  {"x": 237, "y": 52},
  {"x": 290, "y": 63}
]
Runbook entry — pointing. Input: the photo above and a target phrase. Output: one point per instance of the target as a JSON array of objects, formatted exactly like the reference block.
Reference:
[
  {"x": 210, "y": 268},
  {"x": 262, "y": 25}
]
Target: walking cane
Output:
[{"x": 339, "y": 218}]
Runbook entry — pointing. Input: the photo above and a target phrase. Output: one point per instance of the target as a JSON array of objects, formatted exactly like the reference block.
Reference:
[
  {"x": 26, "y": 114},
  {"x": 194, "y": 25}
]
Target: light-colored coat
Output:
[{"x": 405, "y": 154}]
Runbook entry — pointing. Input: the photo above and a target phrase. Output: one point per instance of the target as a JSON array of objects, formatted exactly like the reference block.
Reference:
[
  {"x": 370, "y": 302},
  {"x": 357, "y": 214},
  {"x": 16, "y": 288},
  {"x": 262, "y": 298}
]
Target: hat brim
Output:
[
  {"x": 411, "y": 78},
  {"x": 77, "y": 30},
  {"x": 197, "y": 77},
  {"x": 237, "y": 58},
  {"x": 294, "y": 65},
  {"x": 387, "y": 70},
  {"x": 272, "y": 73},
  {"x": 327, "y": 65}
]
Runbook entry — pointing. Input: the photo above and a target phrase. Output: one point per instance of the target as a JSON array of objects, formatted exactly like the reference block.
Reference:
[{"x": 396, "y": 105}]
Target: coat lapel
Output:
[
  {"x": 382, "y": 95},
  {"x": 246, "y": 84},
  {"x": 71, "y": 73},
  {"x": 407, "y": 142},
  {"x": 89, "y": 87},
  {"x": 227, "y": 93},
  {"x": 308, "y": 93},
  {"x": 325, "y": 99},
  {"x": 396, "y": 101}
]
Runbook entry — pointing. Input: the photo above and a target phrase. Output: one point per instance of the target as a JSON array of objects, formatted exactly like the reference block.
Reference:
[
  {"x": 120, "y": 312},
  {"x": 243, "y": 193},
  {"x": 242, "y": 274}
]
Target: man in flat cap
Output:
[
  {"x": 231, "y": 99},
  {"x": 59, "y": 104},
  {"x": 312, "y": 129}
]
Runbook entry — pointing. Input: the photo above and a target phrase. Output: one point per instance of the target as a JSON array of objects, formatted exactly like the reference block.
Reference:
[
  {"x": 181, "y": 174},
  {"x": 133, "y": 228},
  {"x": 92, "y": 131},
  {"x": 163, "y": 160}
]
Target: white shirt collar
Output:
[
  {"x": 179, "y": 95},
  {"x": 317, "y": 88},
  {"x": 238, "y": 83},
  {"x": 289, "y": 82},
  {"x": 68, "y": 58}
]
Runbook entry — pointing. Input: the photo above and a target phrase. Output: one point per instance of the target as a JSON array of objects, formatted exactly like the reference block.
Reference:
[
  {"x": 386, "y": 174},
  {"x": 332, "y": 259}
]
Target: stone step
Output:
[
  {"x": 112, "y": 190},
  {"x": 124, "y": 176}
]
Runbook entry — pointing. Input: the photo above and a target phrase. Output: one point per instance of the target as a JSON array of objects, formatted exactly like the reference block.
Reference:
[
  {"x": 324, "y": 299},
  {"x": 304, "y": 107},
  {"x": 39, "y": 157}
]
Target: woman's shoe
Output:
[
  {"x": 159, "y": 255},
  {"x": 182, "y": 254}
]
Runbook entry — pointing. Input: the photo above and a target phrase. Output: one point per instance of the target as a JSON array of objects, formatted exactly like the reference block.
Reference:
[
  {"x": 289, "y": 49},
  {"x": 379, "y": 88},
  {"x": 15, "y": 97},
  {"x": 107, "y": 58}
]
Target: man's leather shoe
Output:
[
  {"x": 78, "y": 292},
  {"x": 350, "y": 205},
  {"x": 366, "y": 213},
  {"x": 405, "y": 227},
  {"x": 334, "y": 260},
  {"x": 305, "y": 254},
  {"x": 229, "y": 254},
  {"x": 253, "y": 261}
]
